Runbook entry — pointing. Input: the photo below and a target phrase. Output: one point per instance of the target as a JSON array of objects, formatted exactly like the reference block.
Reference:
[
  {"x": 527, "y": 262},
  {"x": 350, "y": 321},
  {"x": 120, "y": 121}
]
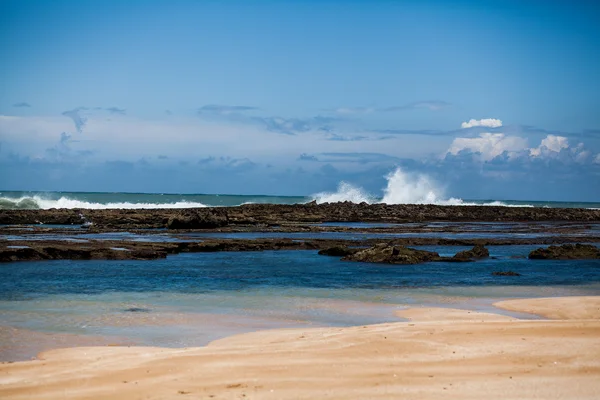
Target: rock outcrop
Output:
[
  {"x": 566, "y": 252},
  {"x": 74, "y": 252},
  {"x": 384, "y": 253},
  {"x": 338, "y": 251},
  {"x": 476, "y": 253},
  {"x": 135, "y": 250},
  {"x": 198, "y": 219}
]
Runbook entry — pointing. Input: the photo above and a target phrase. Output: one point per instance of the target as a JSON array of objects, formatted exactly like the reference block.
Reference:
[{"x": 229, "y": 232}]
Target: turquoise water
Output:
[
  {"x": 234, "y": 271},
  {"x": 45, "y": 200},
  {"x": 445, "y": 231},
  {"x": 191, "y": 299}
]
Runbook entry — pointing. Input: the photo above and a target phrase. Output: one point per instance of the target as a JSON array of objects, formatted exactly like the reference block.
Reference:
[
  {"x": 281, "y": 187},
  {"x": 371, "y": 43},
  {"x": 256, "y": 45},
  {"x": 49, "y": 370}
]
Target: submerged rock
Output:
[
  {"x": 384, "y": 253},
  {"x": 137, "y": 310},
  {"x": 566, "y": 252},
  {"x": 477, "y": 252},
  {"x": 505, "y": 273},
  {"x": 338, "y": 251}
]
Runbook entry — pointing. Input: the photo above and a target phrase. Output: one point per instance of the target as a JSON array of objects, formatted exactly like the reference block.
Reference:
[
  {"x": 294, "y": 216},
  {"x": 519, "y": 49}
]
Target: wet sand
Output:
[{"x": 439, "y": 353}]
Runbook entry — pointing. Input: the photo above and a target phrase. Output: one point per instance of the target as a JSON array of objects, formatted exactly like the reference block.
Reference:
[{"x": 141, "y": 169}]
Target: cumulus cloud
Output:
[
  {"x": 499, "y": 148},
  {"x": 22, "y": 104},
  {"x": 597, "y": 159},
  {"x": 486, "y": 122},
  {"x": 550, "y": 143},
  {"x": 557, "y": 147},
  {"x": 488, "y": 145}
]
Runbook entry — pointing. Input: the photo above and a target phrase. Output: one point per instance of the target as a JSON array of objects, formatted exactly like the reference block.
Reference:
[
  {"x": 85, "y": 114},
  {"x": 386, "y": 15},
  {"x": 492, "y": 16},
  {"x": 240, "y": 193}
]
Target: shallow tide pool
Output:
[{"x": 190, "y": 299}]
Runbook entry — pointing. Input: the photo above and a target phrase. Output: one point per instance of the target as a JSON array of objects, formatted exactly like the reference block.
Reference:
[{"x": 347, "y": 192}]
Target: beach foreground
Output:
[{"x": 439, "y": 353}]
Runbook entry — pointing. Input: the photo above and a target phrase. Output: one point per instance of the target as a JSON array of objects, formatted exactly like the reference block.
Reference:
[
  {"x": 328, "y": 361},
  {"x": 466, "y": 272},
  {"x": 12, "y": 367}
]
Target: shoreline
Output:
[{"x": 440, "y": 352}]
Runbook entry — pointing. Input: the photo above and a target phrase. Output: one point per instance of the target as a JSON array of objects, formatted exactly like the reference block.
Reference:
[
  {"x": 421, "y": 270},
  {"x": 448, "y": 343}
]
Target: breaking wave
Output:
[
  {"x": 401, "y": 188},
  {"x": 38, "y": 202},
  {"x": 345, "y": 192}
]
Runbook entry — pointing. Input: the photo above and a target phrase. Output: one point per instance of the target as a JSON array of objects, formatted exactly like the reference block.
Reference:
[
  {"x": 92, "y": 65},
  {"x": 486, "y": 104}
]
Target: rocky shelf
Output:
[
  {"x": 371, "y": 250},
  {"x": 276, "y": 214}
]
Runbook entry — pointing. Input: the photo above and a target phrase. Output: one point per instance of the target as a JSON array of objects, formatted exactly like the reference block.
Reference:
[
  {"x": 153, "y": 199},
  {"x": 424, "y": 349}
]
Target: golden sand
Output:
[{"x": 440, "y": 353}]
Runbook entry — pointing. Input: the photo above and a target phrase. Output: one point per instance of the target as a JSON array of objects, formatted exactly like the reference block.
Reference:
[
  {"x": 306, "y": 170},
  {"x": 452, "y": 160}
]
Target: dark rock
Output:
[
  {"x": 137, "y": 309},
  {"x": 338, "y": 251},
  {"x": 454, "y": 259},
  {"x": 80, "y": 251},
  {"x": 198, "y": 219},
  {"x": 505, "y": 273},
  {"x": 566, "y": 252},
  {"x": 477, "y": 252},
  {"x": 384, "y": 253},
  {"x": 203, "y": 218}
]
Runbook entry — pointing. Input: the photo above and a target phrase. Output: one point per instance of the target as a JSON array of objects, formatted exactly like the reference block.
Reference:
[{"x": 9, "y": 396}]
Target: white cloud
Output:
[
  {"x": 582, "y": 156},
  {"x": 489, "y": 145},
  {"x": 551, "y": 143},
  {"x": 487, "y": 122}
]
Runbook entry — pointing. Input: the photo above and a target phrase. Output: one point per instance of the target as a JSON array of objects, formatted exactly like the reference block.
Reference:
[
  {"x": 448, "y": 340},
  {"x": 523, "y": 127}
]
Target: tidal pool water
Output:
[{"x": 190, "y": 299}]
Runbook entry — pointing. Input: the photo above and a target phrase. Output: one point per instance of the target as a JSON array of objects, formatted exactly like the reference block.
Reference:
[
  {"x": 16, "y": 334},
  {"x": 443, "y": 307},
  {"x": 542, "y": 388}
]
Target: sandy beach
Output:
[{"x": 439, "y": 353}]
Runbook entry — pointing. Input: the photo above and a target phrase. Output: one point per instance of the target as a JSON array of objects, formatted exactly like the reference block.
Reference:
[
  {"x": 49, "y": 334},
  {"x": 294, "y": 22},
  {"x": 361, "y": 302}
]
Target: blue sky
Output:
[{"x": 492, "y": 99}]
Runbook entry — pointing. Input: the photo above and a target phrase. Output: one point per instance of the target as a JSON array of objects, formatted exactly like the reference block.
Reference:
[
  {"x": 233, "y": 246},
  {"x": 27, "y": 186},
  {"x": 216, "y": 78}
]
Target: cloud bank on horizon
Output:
[{"x": 171, "y": 111}]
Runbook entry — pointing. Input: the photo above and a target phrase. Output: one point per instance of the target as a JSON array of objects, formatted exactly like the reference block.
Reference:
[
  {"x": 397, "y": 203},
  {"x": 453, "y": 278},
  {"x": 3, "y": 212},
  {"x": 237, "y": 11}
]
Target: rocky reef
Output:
[
  {"x": 477, "y": 252},
  {"x": 567, "y": 252},
  {"x": 134, "y": 250},
  {"x": 384, "y": 253},
  {"x": 276, "y": 214},
  {"x": 338, "y": 251},
  {"x": 389, "y": 254}
]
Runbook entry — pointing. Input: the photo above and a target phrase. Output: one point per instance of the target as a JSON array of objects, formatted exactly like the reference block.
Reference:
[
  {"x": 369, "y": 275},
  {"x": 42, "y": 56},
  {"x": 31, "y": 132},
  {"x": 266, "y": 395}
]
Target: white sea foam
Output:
[
  {"x": 404, "y": 188},
  {"x": 345, "y": 192},
  {"x": 38, "y": 202},
  {"x": 401, "y": 188}
]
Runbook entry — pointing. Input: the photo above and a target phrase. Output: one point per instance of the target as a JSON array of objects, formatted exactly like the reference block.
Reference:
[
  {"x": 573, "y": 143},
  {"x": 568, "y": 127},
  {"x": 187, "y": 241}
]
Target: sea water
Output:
[
  {"x": 190, "y": 299},
  {"x": 47, "y": 200}
]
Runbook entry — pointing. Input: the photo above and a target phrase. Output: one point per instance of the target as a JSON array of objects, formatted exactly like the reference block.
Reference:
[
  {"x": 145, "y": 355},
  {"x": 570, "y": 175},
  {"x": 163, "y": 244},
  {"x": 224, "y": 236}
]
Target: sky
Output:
[{"x": 490, "y": 99}]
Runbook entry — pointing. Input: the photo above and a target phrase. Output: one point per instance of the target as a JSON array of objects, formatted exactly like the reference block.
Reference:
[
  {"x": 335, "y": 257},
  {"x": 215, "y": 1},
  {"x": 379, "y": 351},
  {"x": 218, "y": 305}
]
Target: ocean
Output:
[{"x": 11, "y": 200}]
